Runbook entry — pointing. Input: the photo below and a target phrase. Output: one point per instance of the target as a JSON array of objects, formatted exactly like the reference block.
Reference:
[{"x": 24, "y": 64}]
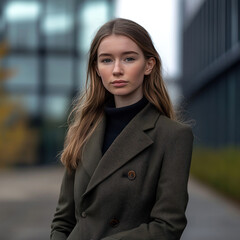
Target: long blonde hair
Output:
[{"x": 88, "y": 110}]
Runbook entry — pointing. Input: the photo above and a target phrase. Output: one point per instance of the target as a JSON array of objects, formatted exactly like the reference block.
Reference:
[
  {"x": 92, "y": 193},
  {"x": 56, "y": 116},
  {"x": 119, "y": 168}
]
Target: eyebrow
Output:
[{"x": 124, "y": 53}]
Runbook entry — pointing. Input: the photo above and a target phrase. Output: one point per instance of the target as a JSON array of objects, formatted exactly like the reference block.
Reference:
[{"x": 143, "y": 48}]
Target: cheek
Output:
[
  {"x": 104, "y": 83},
  {"x": 138, "y": 73},
  {"x": 104, "y": 77},
  {"x": 103, "y": 72}
]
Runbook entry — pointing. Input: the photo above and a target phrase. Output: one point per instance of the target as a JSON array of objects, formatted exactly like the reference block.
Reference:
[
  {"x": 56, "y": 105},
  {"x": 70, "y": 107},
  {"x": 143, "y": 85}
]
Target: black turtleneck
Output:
[{"x": 118, "y": 118}]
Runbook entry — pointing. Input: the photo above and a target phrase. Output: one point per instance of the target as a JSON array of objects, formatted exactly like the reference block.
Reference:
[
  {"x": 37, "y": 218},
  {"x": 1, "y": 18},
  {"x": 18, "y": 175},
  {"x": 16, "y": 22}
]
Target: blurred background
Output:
[{"x": 43, "y": 53}]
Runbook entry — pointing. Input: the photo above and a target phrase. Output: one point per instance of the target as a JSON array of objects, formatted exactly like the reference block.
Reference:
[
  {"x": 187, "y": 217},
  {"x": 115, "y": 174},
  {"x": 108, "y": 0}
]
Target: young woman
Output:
[{"x": 127, "y": 158}]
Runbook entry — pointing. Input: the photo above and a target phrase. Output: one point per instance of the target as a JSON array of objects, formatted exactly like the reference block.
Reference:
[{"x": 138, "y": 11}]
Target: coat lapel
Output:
[{"x": 124, "y": 148}]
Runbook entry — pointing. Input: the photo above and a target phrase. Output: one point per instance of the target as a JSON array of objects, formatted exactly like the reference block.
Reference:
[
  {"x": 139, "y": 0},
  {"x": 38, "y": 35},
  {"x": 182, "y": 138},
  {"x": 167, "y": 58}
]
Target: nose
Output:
[{"x": 117, "y": 70}]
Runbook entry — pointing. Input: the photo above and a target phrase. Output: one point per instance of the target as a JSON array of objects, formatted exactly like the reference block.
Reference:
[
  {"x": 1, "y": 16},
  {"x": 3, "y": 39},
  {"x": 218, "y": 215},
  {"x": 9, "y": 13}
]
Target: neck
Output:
[{"x": 123, "y": 101}]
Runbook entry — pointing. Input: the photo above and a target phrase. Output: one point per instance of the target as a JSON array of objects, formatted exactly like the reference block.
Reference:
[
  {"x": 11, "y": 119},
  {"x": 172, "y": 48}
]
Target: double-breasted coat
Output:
[{"x": 136, "y": 191}]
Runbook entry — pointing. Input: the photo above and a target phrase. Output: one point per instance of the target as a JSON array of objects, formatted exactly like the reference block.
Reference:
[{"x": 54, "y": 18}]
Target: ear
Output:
[{"x": 150, "y": 63}]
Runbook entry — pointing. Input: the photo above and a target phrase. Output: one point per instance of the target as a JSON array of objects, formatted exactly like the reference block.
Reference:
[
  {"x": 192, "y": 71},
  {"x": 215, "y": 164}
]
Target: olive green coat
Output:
[{"x": 136, "y": 191}]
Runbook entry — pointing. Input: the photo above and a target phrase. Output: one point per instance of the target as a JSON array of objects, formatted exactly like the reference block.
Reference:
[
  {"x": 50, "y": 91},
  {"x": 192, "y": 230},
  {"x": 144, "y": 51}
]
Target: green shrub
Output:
[{"x": 219, "y": 168}]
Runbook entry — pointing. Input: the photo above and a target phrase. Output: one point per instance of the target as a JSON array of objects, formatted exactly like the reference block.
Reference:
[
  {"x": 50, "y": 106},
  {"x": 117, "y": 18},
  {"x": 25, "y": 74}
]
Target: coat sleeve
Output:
[
  {"x": 168, "y": 213},
  {"x": 64, "y": 218}
]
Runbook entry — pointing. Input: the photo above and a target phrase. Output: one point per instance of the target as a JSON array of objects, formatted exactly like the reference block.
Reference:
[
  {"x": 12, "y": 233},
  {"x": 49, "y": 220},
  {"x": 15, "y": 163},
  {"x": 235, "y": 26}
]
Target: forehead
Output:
[{"x": 117, "y": 43}]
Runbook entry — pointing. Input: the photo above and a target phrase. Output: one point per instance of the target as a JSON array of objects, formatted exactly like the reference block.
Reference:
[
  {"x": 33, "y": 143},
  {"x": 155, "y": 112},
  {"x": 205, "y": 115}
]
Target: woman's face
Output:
[{"x": 122, "y": 66}]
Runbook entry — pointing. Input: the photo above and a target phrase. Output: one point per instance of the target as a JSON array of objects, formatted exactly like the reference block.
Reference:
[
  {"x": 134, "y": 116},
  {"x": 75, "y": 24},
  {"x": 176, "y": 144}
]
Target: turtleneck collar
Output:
[
  {"x": 112, "y": 111},
  {"x": 118, "y": 118}
]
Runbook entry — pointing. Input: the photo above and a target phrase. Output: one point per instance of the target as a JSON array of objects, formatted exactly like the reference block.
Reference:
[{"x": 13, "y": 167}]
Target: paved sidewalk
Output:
[
  {"x": 28, "y": 200},
  {"x": 210, "y": 216}
]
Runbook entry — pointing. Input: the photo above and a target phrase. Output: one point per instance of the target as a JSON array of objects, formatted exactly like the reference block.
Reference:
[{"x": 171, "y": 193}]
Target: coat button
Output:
[
  {"x": 84, "y": 214},
  {"x": 114, "y": 222},
  {"x": 131, "y": 175}
]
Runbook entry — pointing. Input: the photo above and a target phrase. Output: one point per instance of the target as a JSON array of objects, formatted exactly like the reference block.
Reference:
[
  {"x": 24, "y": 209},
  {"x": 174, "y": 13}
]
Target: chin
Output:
[{"x": 120, "y": 93}]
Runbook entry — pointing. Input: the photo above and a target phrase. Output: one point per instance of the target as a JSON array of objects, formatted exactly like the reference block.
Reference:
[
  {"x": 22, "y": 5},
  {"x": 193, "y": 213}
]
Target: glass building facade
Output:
[
  {"x": 211, "y": 72},
  {"x": 49, "y": 42}
]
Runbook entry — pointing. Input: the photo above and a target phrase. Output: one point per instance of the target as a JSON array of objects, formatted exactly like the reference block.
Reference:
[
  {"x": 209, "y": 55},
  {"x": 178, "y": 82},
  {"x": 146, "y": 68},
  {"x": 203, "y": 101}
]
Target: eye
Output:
[
  {"x": 129, "y": 59},
  {"x": 106, "y": 60}
]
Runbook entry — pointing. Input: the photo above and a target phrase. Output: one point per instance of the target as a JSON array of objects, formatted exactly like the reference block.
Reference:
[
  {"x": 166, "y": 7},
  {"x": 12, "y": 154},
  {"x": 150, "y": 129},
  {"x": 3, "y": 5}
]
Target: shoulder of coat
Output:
[{"x": 170, "y": 125}]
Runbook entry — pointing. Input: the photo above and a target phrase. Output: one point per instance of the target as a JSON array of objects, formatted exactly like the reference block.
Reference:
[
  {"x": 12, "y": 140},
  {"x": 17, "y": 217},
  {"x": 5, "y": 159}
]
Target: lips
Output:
[{"x": 119, "y": 83}]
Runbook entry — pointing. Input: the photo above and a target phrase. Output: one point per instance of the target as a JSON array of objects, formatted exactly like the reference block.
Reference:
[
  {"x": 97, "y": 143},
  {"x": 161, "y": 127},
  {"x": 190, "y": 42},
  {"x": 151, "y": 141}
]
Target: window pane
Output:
[
  {"x": 30, "y": 103},
  {"x": 91, "y": 16},
  {"x": 22, "y": 35},
  {"x": 21, "y": 19},
  {"x": 58, "y": 24},
  {"x": 26, "y": 72},
  {"x": 58, "y": 30},
  {"x": 60, "y": 5},
  {"x": 59, "y": 72},
  {"x": 56, "y": 107}
]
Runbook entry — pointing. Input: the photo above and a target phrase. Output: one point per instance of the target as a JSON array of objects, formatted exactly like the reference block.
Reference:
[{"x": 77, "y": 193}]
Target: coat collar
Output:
[{"x": 123, "y": 149}]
